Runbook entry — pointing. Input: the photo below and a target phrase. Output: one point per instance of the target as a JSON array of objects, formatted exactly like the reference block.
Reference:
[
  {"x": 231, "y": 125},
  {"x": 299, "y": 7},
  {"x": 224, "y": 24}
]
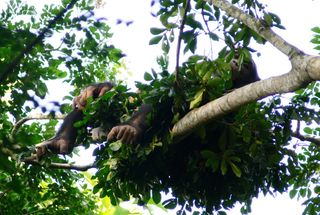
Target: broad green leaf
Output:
[
  {"x": 293, "y": 193},
  {"x": 165, "y": 45},
  {"x": 110, "y": 175},
  {"x": 235, "y": 169},
  {"x": 190, "y": 20},
  {"x": 268, "y": 19},
  {"x": 147, "y": 76},
  {"x": 316, "y": 30},
  {"x": 317, "y": 47},
  {"x": 303, "y": 192},
  {"x": 308, "y": 130},
  {"x": 156, "y": 31},
  {"x": 115, "y": 146},
  {"x": 213, "y": 36},
  {"x": 315, "y": 40},
  {"x": 156, "y": 196},
  {"x": 155, "y": 40},
  {"x": 213, "y": 159},
  {"x": 197, "y": 99},
  {"x": 41, "y": 89},
  {"x": 223, "y": 167}
]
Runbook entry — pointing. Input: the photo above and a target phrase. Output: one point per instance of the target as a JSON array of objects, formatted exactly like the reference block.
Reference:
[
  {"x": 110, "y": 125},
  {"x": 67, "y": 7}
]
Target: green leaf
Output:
[
  {"x": 156, "y": 196},
  {"x": 292, "y": 193},
  {"x": 223, "y": 167},
  {"x": 268, "y": 19},
  {"x": 115, "y": 146},
  {"x": 193, "y": 45},
  {"x": 212, "y": 159},
  {"x": 165, "y": 45},
  {"x": 303, "y": 192},
  {"x": 316, "y": 30},
  {"x": 155, "y": 40},
  {"x": 156, "y": 31},
  {"x": 170, "y": 203},
  {"x": 307, "y": 130},
  {"x": 315, "y": 40},
  {"x": 235, "y": 169},
  {"x": 275, "y": 18},
  {"x": 197, "y": 99},
  {"x": 41, "y": 90},
  {"x": 192, "y": 22},
  {"x": 213, "y": 36},
  {"x": 208, "y": 154},
  {"x": 147, "y": 76}
]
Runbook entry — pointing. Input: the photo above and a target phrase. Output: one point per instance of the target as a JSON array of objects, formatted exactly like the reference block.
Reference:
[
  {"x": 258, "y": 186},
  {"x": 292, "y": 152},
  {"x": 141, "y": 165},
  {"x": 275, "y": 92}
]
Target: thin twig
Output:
[
  {"x": 38, "y": 39},
  {"x": 63, "y": 165},
  {"x": 314, "y": 140},
  {"x": 33, "y": 160},
  {"x": 32, "y": 117},
  {"x": 208, "y": 29},
  {"x": 183, "y": 22}
]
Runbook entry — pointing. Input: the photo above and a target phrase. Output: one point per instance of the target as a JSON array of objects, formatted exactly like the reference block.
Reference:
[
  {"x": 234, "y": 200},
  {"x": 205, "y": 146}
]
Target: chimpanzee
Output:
[
  {"x": 64, "y": 140},
  {"x": 245, "y": 74}
]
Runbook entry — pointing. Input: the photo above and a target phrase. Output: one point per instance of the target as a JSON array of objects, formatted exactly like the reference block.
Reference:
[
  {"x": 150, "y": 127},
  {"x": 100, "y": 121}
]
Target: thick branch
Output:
[
  {"x": 314, "y": 140},
  {"x": 40, "y": 37},
  {"x": 258, "y": 27},
  {"x": 239, "y": 97},
  {"x": 304, "y": 70}
]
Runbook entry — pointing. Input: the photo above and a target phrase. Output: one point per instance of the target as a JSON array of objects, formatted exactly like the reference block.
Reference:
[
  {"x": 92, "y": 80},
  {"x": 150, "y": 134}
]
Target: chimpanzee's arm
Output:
[
  {"x": 63, "y": 142},
  {"x": 130, "y": 131}
]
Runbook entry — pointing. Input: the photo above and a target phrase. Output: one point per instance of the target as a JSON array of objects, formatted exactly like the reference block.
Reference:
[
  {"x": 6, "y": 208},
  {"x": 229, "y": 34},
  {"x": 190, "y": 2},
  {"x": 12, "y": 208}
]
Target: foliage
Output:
[
  {"x": 75, "y": 47},
  {"x": 242, "y": 154},
  {"x": 237, "y": 153},
  {"x": 34, "y": 189},
  {"x": 229, "y": 160}
]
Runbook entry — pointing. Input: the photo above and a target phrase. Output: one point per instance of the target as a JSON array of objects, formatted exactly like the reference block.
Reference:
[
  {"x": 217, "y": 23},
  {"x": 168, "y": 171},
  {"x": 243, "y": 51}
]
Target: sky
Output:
[
  {"x": 133, "y": 40},
  {"x": 298, "y": 16}
]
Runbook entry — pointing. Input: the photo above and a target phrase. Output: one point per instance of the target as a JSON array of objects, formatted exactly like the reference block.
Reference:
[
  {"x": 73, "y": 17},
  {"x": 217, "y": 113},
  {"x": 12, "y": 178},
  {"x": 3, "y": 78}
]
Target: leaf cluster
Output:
[
  {"x": 226, "y": 161},
  {"x": 74, "y": 48}
]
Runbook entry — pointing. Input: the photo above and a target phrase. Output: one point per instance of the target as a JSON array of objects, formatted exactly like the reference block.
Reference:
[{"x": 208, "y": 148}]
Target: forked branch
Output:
[{"x": 15, "y": 62}]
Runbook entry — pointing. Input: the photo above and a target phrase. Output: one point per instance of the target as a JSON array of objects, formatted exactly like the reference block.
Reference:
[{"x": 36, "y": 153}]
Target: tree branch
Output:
[
  {"x": 63, "y": 165},
  {"x": 35, "y": 117},
  {"x": 239, "y": 97},
  {"x": 305, "y": 69},
  {"x": 32, "y": 117},
  {"x": 258, "y": 27},
  {"x": 314, "y": 140},
  {"x": 298, "y": 135},
  {"x": 32, "y": 160},
  {"x": 183, "y": 22},
  {"x": 30, "y": 46}
]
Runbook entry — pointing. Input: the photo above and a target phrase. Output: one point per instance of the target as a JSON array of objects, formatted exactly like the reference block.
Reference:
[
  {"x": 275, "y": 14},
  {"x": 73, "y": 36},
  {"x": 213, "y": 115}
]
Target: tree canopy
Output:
[{"x": 207, "y": 144}]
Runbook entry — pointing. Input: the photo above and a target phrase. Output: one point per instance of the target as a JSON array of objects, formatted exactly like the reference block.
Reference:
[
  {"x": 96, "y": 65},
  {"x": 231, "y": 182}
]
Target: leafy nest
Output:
[{"x": 229, "y": 160}]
